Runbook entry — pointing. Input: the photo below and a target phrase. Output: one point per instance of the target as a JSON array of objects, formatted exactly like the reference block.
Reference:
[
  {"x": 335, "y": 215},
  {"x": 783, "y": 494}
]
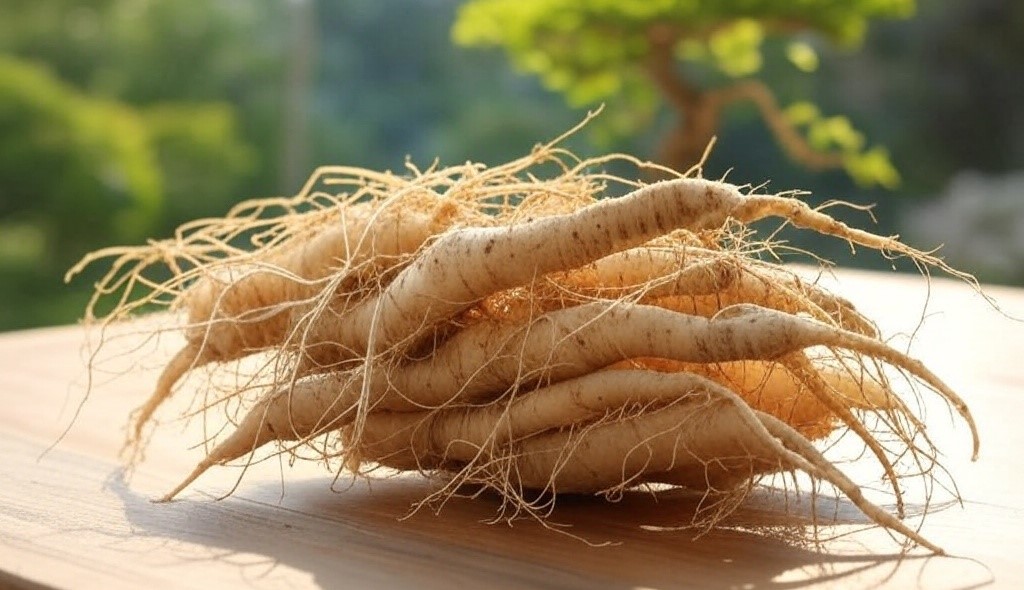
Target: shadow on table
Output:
[{"x": 366, "y": 536}]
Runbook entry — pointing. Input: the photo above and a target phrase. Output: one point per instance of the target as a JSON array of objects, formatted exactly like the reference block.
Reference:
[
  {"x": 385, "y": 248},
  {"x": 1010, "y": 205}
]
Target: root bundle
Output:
[{"x": 509, "y": 327}]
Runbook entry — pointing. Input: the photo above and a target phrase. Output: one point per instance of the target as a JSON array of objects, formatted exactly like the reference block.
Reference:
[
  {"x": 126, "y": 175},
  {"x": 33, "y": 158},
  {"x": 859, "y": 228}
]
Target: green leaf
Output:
[
  {"x": 802, "y": 113},
  {"x": 835, "y": 131},
  {"x": 873, "y": 167},
  {"x": 598, "y": 50},
  {"x": 535, "y": 62},
  {"x": 691, "y": 50},
  {"x": 803, "y": 56},
  {"x": 594, "y": 87},
  {"x": 737, "y": 48}
]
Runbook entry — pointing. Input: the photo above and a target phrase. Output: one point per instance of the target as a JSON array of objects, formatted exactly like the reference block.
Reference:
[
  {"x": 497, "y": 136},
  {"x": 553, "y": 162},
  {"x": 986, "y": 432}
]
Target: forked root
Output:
[
  {"x": 800, "y": 366},
  {"x": 802, "y": 215},
  {"x": 816, "y": 465}
]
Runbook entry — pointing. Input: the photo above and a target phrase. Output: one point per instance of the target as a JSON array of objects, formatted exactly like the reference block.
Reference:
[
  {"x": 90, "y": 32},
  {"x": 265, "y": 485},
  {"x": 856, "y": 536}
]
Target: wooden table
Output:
[{"x": 69, "y": 518}]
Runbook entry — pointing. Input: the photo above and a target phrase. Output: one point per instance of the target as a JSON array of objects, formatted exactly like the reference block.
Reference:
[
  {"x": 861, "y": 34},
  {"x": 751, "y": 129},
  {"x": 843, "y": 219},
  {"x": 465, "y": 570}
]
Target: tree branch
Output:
[
  {"x": 785, "y": 133},
  {"x": 661, "y": 67},
  {"x": 700, "y": 110}
]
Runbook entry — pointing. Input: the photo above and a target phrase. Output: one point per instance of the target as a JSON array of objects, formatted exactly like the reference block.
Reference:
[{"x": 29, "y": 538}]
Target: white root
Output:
[
  {"x": 433, "y": 289},
  {"x": 465, "y": 265},
  {"x": 492, "y": 349},
  {"x": 458, "y": 434},
  {"x": 249, "y": 307},
  {"x": 483, "y": 360},
  {"x": 692, "y": 432},
  {"x": 691, "y": 280},
  {"x": 817, "y": 465}
]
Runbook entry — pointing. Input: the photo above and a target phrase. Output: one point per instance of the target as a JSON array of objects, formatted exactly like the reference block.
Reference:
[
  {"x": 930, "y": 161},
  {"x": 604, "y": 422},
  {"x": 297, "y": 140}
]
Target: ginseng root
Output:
[
  {"x": 558, "y": 346},
  {"x": 507, "y": 327},
  {"x": 691, "y": 432},
  {"x": 234, "y": 316}
]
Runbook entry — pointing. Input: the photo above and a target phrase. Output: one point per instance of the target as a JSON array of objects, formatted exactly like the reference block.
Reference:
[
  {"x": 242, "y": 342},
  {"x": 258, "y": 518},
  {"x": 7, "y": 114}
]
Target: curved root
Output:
[
  {"x": 691, "y": 432},
  {"x": 467, "y": 320}
]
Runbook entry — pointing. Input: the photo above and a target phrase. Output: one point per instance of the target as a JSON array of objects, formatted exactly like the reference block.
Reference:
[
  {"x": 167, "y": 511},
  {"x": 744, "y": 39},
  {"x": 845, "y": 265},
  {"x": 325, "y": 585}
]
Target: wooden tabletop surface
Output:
[{"x": 69, "y": 518}]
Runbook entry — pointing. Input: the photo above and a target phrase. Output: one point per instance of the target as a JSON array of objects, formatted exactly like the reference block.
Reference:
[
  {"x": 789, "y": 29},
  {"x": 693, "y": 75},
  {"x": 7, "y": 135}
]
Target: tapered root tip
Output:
[
  {"x": 817, "y": 466},
  {"x": 199, "y": 470},
  {"x": 181, "y": 363},
  {"x": 251, "y": 434}
]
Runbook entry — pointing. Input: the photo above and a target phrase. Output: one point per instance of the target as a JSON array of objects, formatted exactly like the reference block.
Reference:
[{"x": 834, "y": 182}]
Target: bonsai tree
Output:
[{"x": 698, "y": 58}]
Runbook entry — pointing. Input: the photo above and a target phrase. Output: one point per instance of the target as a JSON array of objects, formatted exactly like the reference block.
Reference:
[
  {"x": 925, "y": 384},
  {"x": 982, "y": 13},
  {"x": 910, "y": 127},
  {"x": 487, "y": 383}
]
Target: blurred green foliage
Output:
[
  {"x": 120, "y": 119},
  {"x": 608, "y": 50},
  {"x": 71, "y": 163}
]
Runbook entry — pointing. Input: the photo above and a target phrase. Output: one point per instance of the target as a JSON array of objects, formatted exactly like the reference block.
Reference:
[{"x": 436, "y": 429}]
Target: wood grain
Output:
[{"x": 70, "y": 518}]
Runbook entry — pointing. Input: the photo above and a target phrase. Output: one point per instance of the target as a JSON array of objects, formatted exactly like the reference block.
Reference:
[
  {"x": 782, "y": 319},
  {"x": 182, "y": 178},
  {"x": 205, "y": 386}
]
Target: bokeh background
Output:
[{"x": 120, "y": 119}]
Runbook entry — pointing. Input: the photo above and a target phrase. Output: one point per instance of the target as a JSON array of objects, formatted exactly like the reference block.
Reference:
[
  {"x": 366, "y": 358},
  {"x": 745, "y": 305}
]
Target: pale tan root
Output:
[
  {"x": 638, "y": 274},
  {"x": 842, "y": 312},
  {"x": 769, "y": 387},
  {"x": 691, "y": 432},
  {"x": 648, "y": 268},
  {"x": 431, "y": 290},
  {"x": 310, "y": 407},
  {"x": 761, "y": 281},
  {"x": 700, "y": 282},
  {"x": 800, "y": 214},
  {"x": 742, "y": 280},
  {"x": 360, "y": 241},
  {"x": 691, "y": 280},
  {"x": 564, "y": 458},
  {"x": 819, "y": 466},
  {"x": 434, "y": 288},
  {"x": 233, "y": 316},
  {"x": 486, "y": 359},
  {"x": 429, "y": 439},
  {"x": 775, "y": 386}
]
